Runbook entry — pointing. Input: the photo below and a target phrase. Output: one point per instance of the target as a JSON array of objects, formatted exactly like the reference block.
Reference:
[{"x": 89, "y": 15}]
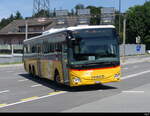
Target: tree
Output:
[
  {"x": 138, "y": 24},
  {"x": 79, "y": 6},
  {"x": 18, "y": 15},
  {"x": 42, "y": 13},
  {"x": 6, "y": 21},
  {"x": 96, "y": 14}
]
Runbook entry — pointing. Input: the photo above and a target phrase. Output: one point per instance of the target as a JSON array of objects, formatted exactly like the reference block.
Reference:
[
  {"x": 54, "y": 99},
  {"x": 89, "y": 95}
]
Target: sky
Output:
[{"x": 8, "y": 7}]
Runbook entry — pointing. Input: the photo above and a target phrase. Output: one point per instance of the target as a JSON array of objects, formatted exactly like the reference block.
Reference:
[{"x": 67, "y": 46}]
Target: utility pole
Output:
[
  {"x": 26, "y": 26},
  {"x": 124, "y": 38},
  {"x": 119, "y": 16},
  {"x": 39, "y": 5}
]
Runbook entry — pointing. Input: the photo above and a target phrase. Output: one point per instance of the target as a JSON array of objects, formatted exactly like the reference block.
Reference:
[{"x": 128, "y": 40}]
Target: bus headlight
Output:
[
  {"x": 77, "y": 80},
  {"x": 117, "y": 76}
]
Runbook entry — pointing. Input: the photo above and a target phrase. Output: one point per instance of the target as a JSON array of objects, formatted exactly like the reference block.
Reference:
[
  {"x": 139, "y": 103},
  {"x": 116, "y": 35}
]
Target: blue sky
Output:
[{"x": 26, "y": 6}]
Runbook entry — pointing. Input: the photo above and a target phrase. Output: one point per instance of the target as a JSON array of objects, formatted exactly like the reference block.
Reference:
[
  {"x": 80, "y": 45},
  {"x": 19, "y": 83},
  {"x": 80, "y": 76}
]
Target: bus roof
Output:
[
  {"x": 52, "y": 31},
  {"x": 89, "y": 27}
]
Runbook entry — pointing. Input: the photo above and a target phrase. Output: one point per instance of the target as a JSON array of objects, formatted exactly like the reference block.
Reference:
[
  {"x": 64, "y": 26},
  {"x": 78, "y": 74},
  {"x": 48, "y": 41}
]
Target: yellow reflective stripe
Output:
[
  {"x": 2, "y": 105},
  {"x": 55, "y": 93},
  {"x": 30, "y": 98}
]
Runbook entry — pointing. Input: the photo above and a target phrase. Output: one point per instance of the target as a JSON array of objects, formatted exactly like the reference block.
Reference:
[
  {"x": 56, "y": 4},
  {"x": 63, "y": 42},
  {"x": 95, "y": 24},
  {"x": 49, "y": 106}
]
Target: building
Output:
[{"x": 15, "y": 32}]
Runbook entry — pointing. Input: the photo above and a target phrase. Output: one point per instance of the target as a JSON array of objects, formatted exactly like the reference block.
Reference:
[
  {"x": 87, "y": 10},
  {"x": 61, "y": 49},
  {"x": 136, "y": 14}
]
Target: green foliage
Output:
[
  {"x": 79, "y": 6},
  {"x": 6, "y": 21},
  {"x": 18, "y": 16},
  {"x": 138, "y": 24},
  {"x": 96, "y": 14},
  {"x": 42, "y": 13}
]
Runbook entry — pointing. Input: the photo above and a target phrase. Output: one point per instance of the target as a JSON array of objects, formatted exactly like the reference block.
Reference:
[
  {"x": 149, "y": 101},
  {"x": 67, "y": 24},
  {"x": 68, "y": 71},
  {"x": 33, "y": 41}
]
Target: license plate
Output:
[{"x": 97, "y": 82}]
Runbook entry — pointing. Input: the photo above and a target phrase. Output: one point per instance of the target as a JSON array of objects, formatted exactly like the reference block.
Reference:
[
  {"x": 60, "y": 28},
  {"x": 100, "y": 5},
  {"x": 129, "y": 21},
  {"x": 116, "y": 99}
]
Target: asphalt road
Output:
[{"x": 19, "y": 92}]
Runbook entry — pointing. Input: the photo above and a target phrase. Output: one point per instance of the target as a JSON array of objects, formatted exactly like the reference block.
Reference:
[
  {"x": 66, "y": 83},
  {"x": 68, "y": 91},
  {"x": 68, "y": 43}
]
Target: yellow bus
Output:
[{"x": 75, "y": 56}]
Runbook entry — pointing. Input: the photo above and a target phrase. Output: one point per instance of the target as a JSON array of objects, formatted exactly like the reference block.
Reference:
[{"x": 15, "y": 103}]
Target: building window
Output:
[{"x": 22, "y": 29}]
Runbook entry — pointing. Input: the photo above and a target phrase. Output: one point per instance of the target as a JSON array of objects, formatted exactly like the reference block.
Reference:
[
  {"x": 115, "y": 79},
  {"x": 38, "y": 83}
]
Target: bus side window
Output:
[
  {"x": 25, "y": 49},
  {"x": 64, "y": 47},
  {"x": 33, "y": 49},
  {"x": 52, "y": 47},
  {"x": 60, "y": 47},
  {"x": 28, "y": 49},
  {"x": 57, "y": 47}
]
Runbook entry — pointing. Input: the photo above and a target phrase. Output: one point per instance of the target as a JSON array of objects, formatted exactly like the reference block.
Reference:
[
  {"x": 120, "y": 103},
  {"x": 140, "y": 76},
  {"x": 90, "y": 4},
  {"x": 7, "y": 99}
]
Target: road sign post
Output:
[{"x": 138, "y": 39}]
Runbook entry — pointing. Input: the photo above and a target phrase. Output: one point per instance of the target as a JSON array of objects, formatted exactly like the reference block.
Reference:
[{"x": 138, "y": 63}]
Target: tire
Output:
[
  {"x": 57, "y": 77},
  {"x": 30, "y": 70},
  {"x": 33, "y": 72}
]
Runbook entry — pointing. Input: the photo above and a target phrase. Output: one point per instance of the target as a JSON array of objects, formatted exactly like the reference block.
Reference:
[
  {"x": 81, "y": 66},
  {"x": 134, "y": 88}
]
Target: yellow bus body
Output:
[
  {"x": 95, "y": 76},
  {"x": 44, "y": 66},
  {"x": 88, "y": 77}
]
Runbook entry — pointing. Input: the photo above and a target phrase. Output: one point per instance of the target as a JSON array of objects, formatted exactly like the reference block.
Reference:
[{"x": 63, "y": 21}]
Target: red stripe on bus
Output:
[{"x": 94, "y": 69}]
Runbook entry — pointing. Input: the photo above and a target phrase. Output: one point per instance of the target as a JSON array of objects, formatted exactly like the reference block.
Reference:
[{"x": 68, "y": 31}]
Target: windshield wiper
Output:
[{"x": 96, "y": 63}]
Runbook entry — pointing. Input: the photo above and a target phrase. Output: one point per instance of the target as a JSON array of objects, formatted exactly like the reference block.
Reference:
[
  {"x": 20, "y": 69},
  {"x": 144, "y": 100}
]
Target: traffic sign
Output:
[
  {"x": 138, "y": 48},
  {"x": 138, "y": 39}
]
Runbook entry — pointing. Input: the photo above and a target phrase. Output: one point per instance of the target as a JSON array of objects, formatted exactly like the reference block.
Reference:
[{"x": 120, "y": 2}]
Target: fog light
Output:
[
  {"x": 77, "y": 80},
  {"x": 117, "y": 76}
]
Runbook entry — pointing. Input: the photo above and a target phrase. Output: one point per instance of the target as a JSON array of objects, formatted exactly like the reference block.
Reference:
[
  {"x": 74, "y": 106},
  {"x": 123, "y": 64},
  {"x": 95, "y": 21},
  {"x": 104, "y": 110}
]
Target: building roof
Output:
[
  {"x": 13, "y": 27},
  {"x": 48, "y": 23}
]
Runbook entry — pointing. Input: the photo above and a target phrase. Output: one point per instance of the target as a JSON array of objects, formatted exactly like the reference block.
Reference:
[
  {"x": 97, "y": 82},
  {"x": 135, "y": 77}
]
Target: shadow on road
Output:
[{"x": 60, "y": 87}]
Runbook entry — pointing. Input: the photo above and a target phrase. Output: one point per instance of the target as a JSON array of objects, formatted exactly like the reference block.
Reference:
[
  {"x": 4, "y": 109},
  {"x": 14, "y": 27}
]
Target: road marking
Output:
[
  {"x": 39, "y": 85},
  {"x": 33, "y": 99},
  {"x": 134, "y": 75},
  {"x": 55, "y": 93},
  {"x": 9, "y": 71},
  {"x": 100, "y": 90},
  {"x": 125, "y": 68},
  {"x": 2, "y": 105},
  {"x": 132, "y": 91},
  {"x": 135, "y": 66},
  {"x": 30, "y": 98},
  {"x": 23, "y": 80},
  {"x": 4, "y": 91}
]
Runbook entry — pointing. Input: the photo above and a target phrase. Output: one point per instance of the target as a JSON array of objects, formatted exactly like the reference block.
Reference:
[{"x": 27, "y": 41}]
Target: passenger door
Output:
[
  {"x": 65, "y": 63},
  {"x": 39, "y": 60}
]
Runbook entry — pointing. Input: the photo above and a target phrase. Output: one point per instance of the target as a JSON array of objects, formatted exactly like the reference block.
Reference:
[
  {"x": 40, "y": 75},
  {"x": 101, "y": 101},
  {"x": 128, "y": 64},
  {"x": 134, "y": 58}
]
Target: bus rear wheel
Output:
[{"x": 33, "y": 72}]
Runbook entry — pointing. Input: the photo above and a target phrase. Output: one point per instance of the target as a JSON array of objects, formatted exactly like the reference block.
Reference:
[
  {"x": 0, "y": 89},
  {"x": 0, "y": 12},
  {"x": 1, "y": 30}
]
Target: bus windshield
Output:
[{"x": 94, "y": 46}]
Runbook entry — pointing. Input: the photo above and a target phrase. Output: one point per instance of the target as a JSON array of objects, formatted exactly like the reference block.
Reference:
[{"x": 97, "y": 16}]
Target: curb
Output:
[{"x": 11, "y": 65}]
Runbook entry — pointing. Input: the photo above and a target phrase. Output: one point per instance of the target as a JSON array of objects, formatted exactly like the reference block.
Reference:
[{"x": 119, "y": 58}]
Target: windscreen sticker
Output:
[
  {"x": 91, "y": 57},
  {"x": 88, "y": 73}
]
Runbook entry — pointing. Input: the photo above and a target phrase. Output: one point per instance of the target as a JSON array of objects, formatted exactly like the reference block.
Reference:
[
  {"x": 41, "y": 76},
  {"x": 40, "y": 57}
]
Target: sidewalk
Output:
[
  {"x": 128, "y": 60},
  {"x": 135, "y": 59},
  {"x": 11, "y": 65}
]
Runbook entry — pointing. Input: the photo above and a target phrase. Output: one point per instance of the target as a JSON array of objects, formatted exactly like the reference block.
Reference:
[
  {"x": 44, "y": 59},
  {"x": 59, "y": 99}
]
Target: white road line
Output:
[
  {"x": 23, "y": 80},
  {"x": 132, "y": 91},
  {"x": 134, "y": 75},
  {"x": 10, "y": 71},
  {"x": 125, "y": 68},
  {"x": 39, "y": 85},
  {"x": 6, "y": 91},
  {"x": 33, "y": 99},
  {"x": 135, "y": 66}
]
